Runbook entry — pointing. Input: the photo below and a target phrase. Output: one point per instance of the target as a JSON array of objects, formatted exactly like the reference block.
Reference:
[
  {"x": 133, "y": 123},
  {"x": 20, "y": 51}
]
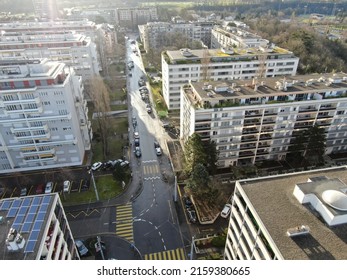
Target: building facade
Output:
[
  {"x": 132, "y": 17},
  {"x": 75, "y": 50},
  {"x": 46, "y": 9},
  {"x": 225, "y": 37},
  {"x": 35, "y": 228},
  {"x": 286, "y": 217},
  {"x": 156, "y": 34},
  {"x": 43, "y": 116},
  {"x": 258, "y": 120},
  {"x": 180, "y": 67}
]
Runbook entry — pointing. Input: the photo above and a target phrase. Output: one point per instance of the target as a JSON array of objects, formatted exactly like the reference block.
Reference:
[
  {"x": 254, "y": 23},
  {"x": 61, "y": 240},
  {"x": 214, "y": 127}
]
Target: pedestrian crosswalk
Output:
[
  {"x": 176, "y": 254},
  {"x": 151, "y": 169},
  {"x": 124, "y": 222}
]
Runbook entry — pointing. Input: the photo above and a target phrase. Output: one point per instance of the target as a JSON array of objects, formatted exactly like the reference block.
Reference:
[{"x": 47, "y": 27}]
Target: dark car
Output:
[
  {"x": 137, "y": 152},
  {"x": 187, "y": 202},
  {"x": 156, "y": 144},
  {"x": 137, "y": 142},
  {"x": 40, "y": 189},
  {"x": 191, "y": 215}
]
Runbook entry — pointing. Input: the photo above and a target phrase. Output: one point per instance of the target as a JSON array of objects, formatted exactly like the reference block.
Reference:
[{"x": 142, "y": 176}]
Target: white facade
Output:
[
  {"x": 43, "y": 116},
  {"x": 267, "y": 222},
  {"x": 255, "y": 122},
  {"x": 224, "y": 37},
  {"x": 180, "y": 67},
  {"x": 153, "y": 34},
  {"x": 132, "y": 17},
  {"x": 75, "y": 50},
  {"x": 36, "y": 229}
]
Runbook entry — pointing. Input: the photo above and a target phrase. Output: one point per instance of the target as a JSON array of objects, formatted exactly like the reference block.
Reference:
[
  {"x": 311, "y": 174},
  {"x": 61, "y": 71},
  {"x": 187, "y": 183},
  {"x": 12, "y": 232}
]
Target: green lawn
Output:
[{"x": 158, "y": 99}]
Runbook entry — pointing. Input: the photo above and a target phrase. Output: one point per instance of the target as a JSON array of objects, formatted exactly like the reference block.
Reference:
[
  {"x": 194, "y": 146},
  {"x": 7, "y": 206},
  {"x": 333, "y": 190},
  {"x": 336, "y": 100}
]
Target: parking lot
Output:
[{"x": 21, "y": 184}]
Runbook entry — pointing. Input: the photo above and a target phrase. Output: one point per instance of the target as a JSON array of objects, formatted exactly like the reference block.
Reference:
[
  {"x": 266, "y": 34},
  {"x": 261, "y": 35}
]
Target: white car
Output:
[
  {"x": 226, "y": 211},
  {"x": 96, "y": 165},
  {"x": 67, "y": 185},
  {"x": 49, "y": 187},
  {"x": 136, "y": 134},
  {"x": 158, "y": 151}
]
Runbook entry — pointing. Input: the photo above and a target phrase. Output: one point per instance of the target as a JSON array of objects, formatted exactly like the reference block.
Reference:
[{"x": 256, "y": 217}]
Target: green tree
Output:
[
  {"x": 199, "y": 178},
  {"x": 194, "y": 153}
]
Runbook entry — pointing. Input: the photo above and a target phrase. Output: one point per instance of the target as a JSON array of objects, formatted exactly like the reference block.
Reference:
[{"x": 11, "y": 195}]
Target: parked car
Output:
[
  {"x": 137, "y": 152},
  {"x": 187, "y": 202},
  {"x": 40, "y": 189},
  {"x": 107, "y": 165},
  {"x": 49, "y": 187},
  {"x": 137, "y": 142},
  {"x": 136, "y": 134},
  {"x": 148, "y": 108},
  {"x": 82, "y": 249},
  {"x": 96, "y": 165},
  {"x": 23, "y": 192},
  {"x": 84, "y": 187},
  {"x": 191, "y": 215},
  {"x": 158, "y": 151},
  {"x": 226, "y": 211},
  {"x": 134, "y": 121},
  {"x": 125, "y": 163},
  {"x": 156, "y": 144},
  {"x": 66, "y": 186}
]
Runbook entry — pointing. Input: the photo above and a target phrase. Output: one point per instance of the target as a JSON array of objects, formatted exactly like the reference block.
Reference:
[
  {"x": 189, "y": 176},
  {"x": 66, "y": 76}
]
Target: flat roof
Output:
[
  {"x": 29, "y": 216},
  {"x": 279, "y": 210},
  {"x": 239, "y": 89}
]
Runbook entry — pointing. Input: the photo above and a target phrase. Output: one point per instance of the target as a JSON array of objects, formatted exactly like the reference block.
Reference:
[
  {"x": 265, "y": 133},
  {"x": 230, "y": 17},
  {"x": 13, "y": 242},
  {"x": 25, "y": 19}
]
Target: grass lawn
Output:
[
  {"x": 158, "y": 99},
  {"x": 107, "y": 188}
]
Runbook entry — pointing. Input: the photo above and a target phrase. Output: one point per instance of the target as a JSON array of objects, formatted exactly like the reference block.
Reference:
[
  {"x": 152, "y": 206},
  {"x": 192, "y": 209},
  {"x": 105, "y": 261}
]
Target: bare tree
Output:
[
  {"x": 101, "y": 101},
  {"x": 205, "y": 63}
]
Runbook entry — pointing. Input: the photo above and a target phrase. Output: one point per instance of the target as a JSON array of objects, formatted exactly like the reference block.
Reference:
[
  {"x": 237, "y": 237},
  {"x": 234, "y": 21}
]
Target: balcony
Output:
[
  {"x": 264, "y": 144},
  {"x": 265, "y": 136},
  {"x": 249, "y": 131},
  {"x": 305, "y": 118},
  {"x": 253, "y": 113},
  {"x": 246, "y": 154},
  {"x": 327, "y": 107},
  {"x": 269, "y": 121},
  {"x": 303, "y": 125},
  {"x": 248, "y": 139},
  {"x": 270, "y": 113},
  {"x": 307, "y": 109},
  {"x": 262, "y": 151},
  {"x": 251, "y": 122}
]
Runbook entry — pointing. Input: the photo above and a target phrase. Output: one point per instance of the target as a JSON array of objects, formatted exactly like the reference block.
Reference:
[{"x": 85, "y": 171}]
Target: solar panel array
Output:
[{"x": 29, "y": 214}]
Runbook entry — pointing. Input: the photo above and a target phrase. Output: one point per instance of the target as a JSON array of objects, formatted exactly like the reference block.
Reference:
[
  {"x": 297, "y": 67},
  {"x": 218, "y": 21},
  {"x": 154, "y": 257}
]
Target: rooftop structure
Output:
[
  {"x": 255, "y": 120},
  {"x": 35, "y": 228},
  {"x": 285, "y": 217},
  {"x": 180, "y": 67},
  {"x": 43, "y": 116}
]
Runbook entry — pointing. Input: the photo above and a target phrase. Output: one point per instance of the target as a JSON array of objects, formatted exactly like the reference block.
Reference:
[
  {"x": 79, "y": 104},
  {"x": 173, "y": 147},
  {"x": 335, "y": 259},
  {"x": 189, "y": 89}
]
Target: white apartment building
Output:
[
  {"x": 35, "y": 228},
  {"x": 132, "y": 17},
  {"x": 288, "y": 217},
  {"x": 225, "y": 37},
  {"x": 180, "y": 67},
  {"x": 84, "y": 26},
  {"x": 47, "y": 9},
  {"x": 154, "y": 34},
  {"x": 75, "y": 50},
  {"x": 252, "y": 121},
  {"x": 43, "y": 116}
]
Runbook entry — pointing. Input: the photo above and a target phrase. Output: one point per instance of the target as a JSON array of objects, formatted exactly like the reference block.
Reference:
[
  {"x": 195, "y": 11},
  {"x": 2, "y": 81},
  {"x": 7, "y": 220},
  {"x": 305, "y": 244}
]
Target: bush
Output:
[{"x": 219, "y": 241}]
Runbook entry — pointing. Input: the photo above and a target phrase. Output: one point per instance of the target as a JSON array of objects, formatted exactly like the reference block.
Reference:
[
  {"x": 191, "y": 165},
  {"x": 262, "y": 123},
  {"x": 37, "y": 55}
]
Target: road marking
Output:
[{"x": 176, "y": 254}]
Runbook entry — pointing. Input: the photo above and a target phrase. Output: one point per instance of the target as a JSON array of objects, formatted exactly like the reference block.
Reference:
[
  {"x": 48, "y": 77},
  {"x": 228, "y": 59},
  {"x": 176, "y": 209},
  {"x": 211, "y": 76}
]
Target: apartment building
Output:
[
  {"x": 132, "y": 17},
  {"x": 298, "y": 216},
  {"x": 83, "y": 26},
  {"x": 47, "y": 9},
  {"x": 74, "y": 49},
  {"x": 180, "y": 67},
  {"x": 252, "y": 121},
  {"x": 156, "y": 34},
  {"x": 43, "y": 116},
  {"x": 35, "y": 228},
  {"x": 227, "y": 36}
]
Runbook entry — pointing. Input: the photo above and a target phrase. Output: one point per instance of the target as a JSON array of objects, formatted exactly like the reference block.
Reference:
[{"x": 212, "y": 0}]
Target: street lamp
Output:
[{"x": 94, "y": 185}]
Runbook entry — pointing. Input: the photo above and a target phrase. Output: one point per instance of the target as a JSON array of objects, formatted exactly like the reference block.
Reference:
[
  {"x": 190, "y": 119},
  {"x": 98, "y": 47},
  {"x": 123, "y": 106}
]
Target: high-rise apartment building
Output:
[
  {"x": 180, "y": 67},
  {"x": 298, "y": 216},
  {"x": 75, "y": 50},
  {"x": 43, "y": 116},
  {"x": 157, "y": 34},
  {"x": 132, "y": 17},
  {"x": 256, "y": 120},
  {"x": 46, "y": 9},
  {"x": 35, "y": 228}
]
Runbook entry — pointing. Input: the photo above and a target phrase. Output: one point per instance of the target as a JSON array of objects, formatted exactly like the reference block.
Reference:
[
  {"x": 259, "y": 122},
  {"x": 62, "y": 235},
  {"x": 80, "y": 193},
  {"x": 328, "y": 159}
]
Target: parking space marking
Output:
[{"x": 13, "y": 192}]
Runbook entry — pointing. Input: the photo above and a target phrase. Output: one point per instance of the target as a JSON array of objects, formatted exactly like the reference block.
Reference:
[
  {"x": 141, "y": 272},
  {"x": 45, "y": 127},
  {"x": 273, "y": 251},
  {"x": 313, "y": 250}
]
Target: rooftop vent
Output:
[
  {"x": 186, "y": 52},
  {"x": 296, "y": 231},
  {"x": 14, "y": 240}
]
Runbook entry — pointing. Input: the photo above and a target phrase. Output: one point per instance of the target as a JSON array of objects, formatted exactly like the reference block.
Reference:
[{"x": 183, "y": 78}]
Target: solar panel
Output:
[
  {"x": 33, "y": 235},
  {"x": 26, "y": 227},
  {"x": 16, "y": 203},
  {"x": 19, "y": 219},
  {"x": 23, "y": 210},
  {"x": 37, "y": 225},
  {"x": 46, "y": 199},
  {"x": 12, "y": 212},
  {"x": 33, "y": 209},
  {"x": 40, "y": 216},
  {"x": 5, "y": 205},
  {"x": 36, "y": 200},
  {"x": 29, "y": 218},
  {"x": 26, "y": 201},
  {"x": 30, "y": 247},
  {"x": 16, "y": 226},
  {"x": 43, "y": 208}
]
